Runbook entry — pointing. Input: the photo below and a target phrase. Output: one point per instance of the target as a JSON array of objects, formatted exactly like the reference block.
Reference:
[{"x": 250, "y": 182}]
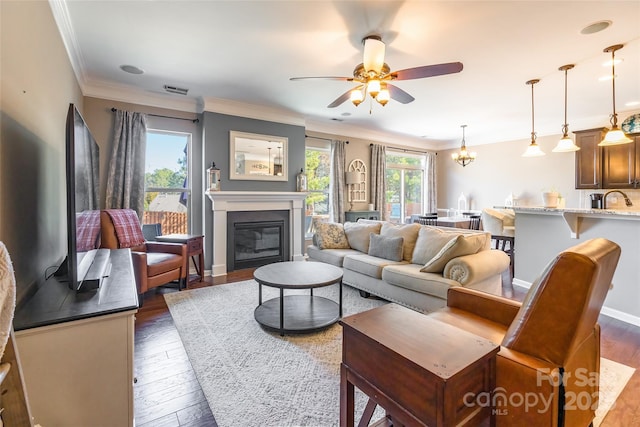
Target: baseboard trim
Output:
[{"x": 609, "y": 312}]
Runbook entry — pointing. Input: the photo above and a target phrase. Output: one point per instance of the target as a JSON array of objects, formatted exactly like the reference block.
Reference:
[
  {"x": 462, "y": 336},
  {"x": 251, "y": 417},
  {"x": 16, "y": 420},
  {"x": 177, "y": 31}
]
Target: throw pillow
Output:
[
  {"x": 430, "y": 241},
  {"x": 463, "y": 244},
  {"x": 358, "y": 234},
  {"x": 330, "y": 235},
  {"x": 409, "y": 232},
  {"x": 386, "y": 247}
]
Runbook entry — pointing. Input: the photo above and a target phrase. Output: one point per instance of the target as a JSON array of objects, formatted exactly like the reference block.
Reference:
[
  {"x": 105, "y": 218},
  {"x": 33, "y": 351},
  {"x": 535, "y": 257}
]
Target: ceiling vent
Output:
[{"x": 174, "y": 89}]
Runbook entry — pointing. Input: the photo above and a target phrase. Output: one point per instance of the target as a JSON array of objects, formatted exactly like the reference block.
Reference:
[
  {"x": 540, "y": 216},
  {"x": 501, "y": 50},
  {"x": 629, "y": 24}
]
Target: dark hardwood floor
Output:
[{"x": 167, "y": 394}]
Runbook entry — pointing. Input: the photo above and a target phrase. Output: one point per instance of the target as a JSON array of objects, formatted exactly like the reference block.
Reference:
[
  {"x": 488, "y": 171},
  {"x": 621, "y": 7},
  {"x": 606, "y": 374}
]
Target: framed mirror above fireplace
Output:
[{"x": 258, "y": 157}]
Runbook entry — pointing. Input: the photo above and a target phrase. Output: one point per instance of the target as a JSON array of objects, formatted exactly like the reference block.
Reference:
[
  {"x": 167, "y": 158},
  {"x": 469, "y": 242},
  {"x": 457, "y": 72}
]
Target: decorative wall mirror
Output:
[{"x": 257, "y": 157}]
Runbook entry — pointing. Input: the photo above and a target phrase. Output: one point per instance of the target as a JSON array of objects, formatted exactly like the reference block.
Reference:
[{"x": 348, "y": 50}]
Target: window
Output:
[
  {"x": 167, "y": 186},
  {"x": 317, "y": 168},
  {"x": 405, "y": 176}
]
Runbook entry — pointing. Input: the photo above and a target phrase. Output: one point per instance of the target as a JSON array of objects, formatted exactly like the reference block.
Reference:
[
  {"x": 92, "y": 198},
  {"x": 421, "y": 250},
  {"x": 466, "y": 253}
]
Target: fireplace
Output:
[
  {"x": 256, "y": 238},
  {"x": 225, "y": 202}
]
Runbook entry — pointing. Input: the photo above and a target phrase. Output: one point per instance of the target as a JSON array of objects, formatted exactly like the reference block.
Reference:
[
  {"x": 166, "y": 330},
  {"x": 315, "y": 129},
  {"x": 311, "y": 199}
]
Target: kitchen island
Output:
[{"x": 541, "y": 233}]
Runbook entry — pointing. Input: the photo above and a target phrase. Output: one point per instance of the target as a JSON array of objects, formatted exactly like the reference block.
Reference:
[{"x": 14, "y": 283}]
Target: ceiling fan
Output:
[{"x": 374, "y": 76}]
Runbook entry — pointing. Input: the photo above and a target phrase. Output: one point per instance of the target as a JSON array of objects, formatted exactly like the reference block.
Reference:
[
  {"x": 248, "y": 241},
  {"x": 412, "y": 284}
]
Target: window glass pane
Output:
[
  {"x": 405, "y": 186},
  {"x": 167, "y": 189},
  {"x": 318, "y": 166}
]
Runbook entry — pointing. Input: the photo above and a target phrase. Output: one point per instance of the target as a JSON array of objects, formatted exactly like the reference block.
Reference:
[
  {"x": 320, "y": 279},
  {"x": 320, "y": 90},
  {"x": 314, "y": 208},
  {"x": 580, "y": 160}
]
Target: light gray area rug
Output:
[{"x": 252, "y": 377}]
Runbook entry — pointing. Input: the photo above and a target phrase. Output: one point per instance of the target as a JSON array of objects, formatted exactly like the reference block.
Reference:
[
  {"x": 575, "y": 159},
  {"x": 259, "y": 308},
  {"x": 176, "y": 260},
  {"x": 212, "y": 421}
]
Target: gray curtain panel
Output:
[
  {"x": 431, "y": 204},
  {"x": 337, "y": 184},
  {"x": 378, "y": 187},
  {"x": 125, "y": 180}
]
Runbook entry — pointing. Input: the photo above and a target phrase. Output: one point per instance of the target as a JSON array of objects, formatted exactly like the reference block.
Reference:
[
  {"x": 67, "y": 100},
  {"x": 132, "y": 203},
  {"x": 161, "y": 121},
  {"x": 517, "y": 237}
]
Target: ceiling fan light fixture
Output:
[
  {"x": 356, "y": 96},
  {"x": 614, "y": 136},
  {"x": 383, "y": 96},
  {"x": 373, "y": 87},
  {"x": 373, "y": 53}
]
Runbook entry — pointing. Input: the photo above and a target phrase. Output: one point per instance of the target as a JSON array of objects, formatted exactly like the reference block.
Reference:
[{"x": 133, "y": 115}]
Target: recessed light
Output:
[
  {"x": 615, "y": 62},
  {"x": 335, "y": 119},
  {"x": 596, "y": 27},
  {"x": 632, "y": 103},
  {"x": 605, "y": 78},
  {"x": 131, "y": 69},
  {"x": 346, "y": 114}
]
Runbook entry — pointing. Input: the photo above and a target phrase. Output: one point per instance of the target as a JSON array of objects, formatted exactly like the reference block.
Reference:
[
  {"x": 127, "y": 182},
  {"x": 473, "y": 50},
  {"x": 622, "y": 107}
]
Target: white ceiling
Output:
[{"x": 239, "y": 56}]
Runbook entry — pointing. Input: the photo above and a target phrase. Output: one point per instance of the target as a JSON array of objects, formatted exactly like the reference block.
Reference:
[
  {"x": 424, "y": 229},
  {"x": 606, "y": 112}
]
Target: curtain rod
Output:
[
  {"x": 325, "y": 139},
  {"x": 113, "y": 109},
  {"x": 408, "y": 149}
]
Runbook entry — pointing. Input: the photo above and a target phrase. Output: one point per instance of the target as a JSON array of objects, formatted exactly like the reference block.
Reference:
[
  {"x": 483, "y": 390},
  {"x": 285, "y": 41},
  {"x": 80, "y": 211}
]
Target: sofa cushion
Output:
[
  {"x": 330, "y": 235},
  {"x": 329, "y": 256},
  {"x": 462, "y": 244},
  {"x": 386, "y": 247},
  {"x": 429, "y": 242},
  {"x": 409, "y": 276},
  {"x": 358, "y": 234},
  {"x": 368, "y": 265},
  {"x": 409, "y": 232}
]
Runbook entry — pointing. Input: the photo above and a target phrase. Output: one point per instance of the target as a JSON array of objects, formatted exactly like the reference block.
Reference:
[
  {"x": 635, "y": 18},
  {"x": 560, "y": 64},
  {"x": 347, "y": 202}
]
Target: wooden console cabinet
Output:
[
  {"x": 76, "y": 350},
  {"x": 421, "y": 371}
]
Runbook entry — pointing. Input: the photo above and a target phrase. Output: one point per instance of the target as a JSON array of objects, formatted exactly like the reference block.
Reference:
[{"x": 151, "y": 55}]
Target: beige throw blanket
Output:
[{"x": 7, "y": 297}]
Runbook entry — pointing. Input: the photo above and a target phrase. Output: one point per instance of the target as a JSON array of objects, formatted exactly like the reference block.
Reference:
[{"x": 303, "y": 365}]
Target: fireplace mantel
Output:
[{"x": 229, "y": 201}]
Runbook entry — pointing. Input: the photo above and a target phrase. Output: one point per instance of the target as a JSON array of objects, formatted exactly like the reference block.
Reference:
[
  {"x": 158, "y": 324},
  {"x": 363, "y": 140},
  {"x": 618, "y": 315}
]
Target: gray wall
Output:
[
  {"x": 216, "y": 129},
  {"x": 38, "y": 84}
]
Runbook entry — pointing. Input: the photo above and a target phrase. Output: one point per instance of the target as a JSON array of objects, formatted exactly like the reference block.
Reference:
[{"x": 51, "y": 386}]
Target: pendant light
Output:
[
  {"x": 464, "y": 157},
  {"x": 614, "y": 136},
  {"x": 565, "y": 144},
  {"x": 533, "y": 150}
]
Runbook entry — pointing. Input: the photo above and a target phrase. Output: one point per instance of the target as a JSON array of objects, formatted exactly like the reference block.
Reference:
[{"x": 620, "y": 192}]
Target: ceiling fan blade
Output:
[
  {"x": 342, "y": 98},
  {"x": 399, "y": 95},
  {"x": 342, "y": 79},
  {"x": 427, "y": 71}
]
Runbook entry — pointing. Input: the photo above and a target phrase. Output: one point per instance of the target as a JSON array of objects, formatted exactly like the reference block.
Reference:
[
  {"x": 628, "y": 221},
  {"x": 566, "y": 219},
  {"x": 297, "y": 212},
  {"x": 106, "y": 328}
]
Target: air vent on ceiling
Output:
[{"x": 174, "y": 89}]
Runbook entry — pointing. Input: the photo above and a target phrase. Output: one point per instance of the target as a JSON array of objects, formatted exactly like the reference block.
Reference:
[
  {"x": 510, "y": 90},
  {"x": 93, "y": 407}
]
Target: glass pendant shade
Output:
[
  {"x": 384, "y": 96},
  {"x": 533, "y": 150},
  {"x": 565, "y": 145},
  {"x": 373, "y": 87},
  {"x": 373, "y": 54},
  {"x": 614, "y": 136}
]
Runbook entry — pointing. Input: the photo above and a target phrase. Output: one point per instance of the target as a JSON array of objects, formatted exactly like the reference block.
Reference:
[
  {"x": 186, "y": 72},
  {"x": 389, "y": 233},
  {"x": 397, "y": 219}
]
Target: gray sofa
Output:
[{"x": 413, "y": 265}]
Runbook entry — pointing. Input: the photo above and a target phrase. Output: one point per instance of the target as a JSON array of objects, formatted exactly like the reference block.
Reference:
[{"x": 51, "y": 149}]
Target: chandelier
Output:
[{"x": 464, "y": 157}]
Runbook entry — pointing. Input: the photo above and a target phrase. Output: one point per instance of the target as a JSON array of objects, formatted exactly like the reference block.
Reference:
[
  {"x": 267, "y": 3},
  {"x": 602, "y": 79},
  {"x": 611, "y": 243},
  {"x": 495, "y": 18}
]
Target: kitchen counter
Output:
[
  {"x": 542, "y": 233},
  {"x": 573, "y": 216}
]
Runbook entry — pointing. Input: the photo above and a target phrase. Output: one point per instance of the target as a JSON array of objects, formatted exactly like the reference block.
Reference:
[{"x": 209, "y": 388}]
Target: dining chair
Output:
[{"x": 428, "y": 219}]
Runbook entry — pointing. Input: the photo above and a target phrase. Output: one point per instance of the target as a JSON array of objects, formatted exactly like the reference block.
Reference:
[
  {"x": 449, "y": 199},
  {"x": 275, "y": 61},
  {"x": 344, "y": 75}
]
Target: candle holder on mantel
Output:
[{"x": 213, "y": 178}]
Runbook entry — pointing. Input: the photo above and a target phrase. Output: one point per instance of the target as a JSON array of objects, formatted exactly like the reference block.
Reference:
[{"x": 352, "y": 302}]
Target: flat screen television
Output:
[{"x": 85, "y": 265}]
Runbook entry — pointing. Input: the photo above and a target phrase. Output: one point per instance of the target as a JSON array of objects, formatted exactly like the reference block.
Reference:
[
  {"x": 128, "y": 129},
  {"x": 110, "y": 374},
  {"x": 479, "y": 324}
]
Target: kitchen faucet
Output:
[{"x": 626, "y": 198}]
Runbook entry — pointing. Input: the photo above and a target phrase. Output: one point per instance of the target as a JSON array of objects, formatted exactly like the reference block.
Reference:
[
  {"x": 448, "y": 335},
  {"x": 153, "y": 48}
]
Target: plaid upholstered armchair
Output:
[{"x": 154, "y": 263}]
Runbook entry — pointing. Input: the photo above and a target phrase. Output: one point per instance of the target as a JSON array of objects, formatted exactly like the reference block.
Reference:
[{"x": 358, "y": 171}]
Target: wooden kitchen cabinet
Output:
[
  {"x": 589, "y": 158},
  {"x": 621, "y": 165}
]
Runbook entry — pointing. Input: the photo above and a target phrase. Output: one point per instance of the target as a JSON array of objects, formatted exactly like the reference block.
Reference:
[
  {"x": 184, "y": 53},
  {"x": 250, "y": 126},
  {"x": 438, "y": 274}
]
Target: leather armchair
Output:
[
  {"x": 548, "y": 365},
  {"x": 154, "y": 263}
]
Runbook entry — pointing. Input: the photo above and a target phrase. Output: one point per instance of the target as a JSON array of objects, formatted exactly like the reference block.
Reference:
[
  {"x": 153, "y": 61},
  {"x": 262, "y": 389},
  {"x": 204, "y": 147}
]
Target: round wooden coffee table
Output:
[{"x": 298, "y": 313}]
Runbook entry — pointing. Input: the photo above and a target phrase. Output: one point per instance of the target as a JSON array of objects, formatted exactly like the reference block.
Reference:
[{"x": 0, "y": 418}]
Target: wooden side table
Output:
[
  {"x": 194, "y": 248},
  {"x": 421, "y": 371}
]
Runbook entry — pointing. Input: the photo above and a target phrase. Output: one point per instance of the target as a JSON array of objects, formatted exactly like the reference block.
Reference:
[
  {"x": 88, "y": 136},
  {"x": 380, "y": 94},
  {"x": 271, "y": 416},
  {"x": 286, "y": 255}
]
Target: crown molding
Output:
[
  {"x": 253, "y": 111},
  {"x": 344, "y": 129},
  {"x": 133, "y": 95},
  {"x": 63, "y": 21}
]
